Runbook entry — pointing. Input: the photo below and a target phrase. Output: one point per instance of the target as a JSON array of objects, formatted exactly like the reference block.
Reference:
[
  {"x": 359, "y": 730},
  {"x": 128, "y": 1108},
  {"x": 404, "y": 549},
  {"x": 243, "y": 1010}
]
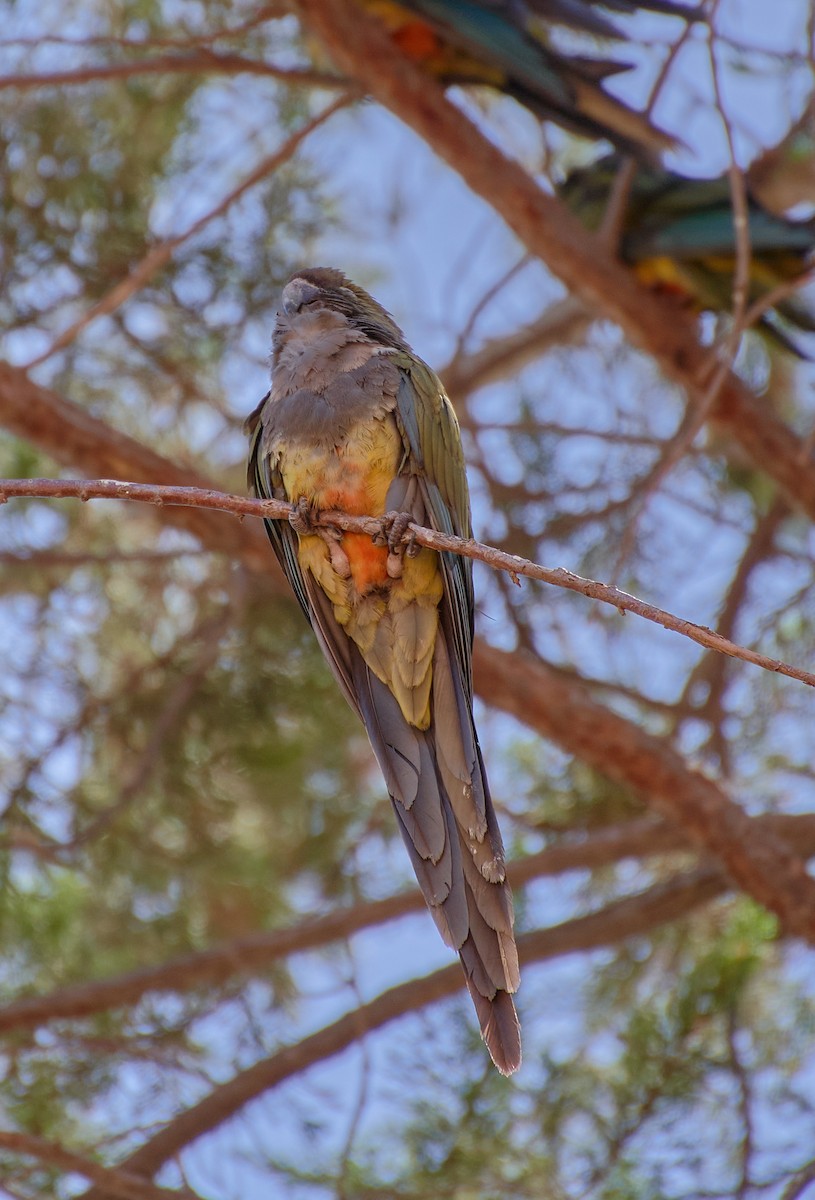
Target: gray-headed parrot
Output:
[{"x": 355, "y": 421}]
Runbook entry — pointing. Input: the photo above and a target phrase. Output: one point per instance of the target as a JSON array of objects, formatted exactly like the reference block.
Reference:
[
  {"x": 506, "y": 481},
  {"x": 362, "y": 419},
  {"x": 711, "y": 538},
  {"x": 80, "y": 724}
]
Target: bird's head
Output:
[{"x": 325, "y": 288}]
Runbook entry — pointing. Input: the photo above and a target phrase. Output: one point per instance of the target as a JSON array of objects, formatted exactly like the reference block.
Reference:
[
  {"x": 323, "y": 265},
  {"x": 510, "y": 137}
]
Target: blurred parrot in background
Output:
[
  {"x": 355, "y": 421},
  {"x": 782, "y": 178},
  {"x": 678, "y": 235},
  {"x": 512, "y": 45}
]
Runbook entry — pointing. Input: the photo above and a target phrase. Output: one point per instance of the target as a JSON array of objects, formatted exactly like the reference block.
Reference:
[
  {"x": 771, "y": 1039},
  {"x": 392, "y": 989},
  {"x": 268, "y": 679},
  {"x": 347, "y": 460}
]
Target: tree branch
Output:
[
  {"x": 75, "y": 438},
  {"x": 563, "y": 710},
  {"x": 118, "y": 1184},
  {"x": 769, "y": 871},
  {"x": 563, "y": 323},
  {"x": 617, "y": 921},
  {"x": 254, "y": 954},
  {"x": 160, "y": 254},
  {"x": 499, "y": 560},
  {"x": 203, "y": 62}
]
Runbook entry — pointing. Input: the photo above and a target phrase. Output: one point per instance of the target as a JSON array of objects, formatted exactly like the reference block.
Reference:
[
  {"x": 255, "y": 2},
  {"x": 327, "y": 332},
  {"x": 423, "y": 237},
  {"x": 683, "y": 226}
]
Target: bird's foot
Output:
[
  {"x": 304, "y": 520},
  {"x": 301, "y": 517},
  {"x": 392, "y": 529}
]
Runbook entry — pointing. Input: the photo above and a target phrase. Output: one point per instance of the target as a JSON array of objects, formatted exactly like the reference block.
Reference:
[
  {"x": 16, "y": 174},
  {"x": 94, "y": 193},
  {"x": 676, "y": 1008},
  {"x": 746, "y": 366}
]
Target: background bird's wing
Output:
[{"x": 504, "y": 38}]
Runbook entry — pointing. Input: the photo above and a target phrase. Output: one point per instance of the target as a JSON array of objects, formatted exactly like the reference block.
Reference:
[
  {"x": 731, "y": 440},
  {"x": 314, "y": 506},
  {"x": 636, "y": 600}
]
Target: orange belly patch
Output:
[
  {"x": 353, "y": 478},
  {"x": 369, "y": 563}
]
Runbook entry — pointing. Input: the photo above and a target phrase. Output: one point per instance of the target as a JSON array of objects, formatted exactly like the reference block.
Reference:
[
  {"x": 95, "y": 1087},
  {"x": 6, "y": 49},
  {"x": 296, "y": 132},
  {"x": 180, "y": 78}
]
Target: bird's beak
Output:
[{"x": 296, "y": 294}]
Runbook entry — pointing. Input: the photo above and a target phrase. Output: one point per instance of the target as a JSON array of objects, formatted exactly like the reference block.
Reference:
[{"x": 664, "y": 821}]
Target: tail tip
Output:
[{"x": 500, "y": 1029}]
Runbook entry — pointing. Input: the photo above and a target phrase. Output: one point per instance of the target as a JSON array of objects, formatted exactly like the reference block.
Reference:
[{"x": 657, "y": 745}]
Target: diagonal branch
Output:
[
  {"x": 203, "y": 62},
  {"x": 252, "y": 955},
  {"x": 118, "y": 1184},
  {"x": 562, "y": 323},
  {"x": 74, "y": 437},
  {"x": 563, "y": 710},
  {"x": 622, "y": 919},
  {"x": 162, "y": 252},
  {"x": 766, "y": 869},
  {"x": 499, "y": 560}
]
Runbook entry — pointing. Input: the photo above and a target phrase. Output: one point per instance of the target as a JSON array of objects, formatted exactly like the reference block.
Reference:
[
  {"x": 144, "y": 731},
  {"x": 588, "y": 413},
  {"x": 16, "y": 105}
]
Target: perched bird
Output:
[
  {"x": 355, "y": 421},
  {"x": 678, "y": 235},
  {"x": 513, "y": 45},
  {"x": 782, "y": 178}
]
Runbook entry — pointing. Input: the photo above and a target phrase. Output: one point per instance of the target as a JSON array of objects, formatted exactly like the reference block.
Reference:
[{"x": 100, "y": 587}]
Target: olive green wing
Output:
[
  {"x": 434, "y": 455},
  {"x": 267, "y": 484}
]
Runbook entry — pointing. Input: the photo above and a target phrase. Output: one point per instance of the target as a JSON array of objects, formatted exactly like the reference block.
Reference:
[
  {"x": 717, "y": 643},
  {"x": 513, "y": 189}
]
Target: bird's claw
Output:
[
  {"x": 392, "y": 529},
  {"x": 302, "y": 517}
]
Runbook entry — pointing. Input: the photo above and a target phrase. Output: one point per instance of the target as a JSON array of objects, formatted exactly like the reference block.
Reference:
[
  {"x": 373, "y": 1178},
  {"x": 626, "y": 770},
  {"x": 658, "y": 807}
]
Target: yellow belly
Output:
[{"x": 393, "y": 621}]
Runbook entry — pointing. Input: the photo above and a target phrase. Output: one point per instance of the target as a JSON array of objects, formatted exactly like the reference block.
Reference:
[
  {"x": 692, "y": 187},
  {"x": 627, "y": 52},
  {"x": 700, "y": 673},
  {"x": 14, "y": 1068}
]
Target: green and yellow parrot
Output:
[
  {"x": 355, "y": 421},
  {"x": 514, "y": 46},
  {"x": 678, "y": 235},
  {"x": 782, "y": 178}
]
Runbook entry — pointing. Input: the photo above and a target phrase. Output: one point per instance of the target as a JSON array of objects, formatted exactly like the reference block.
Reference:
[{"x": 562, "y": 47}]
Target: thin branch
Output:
[
  {"x": 204, "y": 62},
  {"x": 626, "y": 918},
  {"x": 797, "y": 1186},
  {"x": 117, "y": 1183},
  {"x": 556, "y": 707},
  {"x": 542, "y": 698},
  {"x": 160, "y": 254},
  {"x": 71, "y": 435},
  {"x": 499, "y": 560},
  {"x": 563, "y": 323},
  {"x": 738, "y": 203},
  {"x": 710, "y": 672},
  {"x": 45, "y": 560},
  {"x": 781, "y": 291}
]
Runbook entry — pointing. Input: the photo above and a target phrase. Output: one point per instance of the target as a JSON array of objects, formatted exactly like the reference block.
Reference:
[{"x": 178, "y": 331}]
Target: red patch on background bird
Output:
[{"x": 416, "y": 41}]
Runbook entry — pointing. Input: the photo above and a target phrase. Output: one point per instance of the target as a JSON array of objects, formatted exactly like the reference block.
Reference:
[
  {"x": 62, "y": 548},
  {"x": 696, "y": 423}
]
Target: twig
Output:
[
  {"x": 116, "y": 1182},
  {"x": 738, "y": 202},
  {"x": 781, "y": 291},
  {"x": 795, "y": 1189},
  {"x": 204, "y": 62},
  {"x": 160, "y": 255},
  {"x": 513, "y": 564}
]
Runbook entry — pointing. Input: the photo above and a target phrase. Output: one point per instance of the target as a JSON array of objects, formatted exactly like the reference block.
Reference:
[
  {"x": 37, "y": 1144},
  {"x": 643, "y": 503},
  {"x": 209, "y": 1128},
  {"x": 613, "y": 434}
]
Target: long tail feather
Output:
[{"x": 500, "y": 1028}]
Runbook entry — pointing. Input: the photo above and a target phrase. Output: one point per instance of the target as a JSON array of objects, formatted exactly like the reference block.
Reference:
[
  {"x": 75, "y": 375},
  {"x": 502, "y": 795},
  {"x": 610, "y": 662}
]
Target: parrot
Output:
[
  {"x": 356, "y": 421},
  {"x": 509, "y": 45},
  {"x": 678, "y": 235},
  {"x": 782, "y": 177}
]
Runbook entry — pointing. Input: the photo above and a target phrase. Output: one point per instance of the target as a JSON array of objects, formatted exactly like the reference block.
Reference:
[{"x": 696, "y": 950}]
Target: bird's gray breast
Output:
[{"x": 332, "y": 402}]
